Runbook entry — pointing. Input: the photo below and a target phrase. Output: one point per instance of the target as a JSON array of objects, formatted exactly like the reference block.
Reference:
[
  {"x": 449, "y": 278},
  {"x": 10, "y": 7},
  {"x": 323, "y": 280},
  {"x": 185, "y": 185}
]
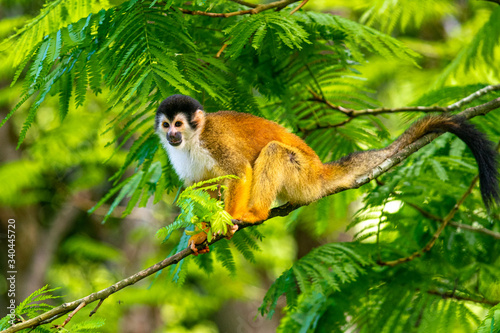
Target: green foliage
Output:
[
  {"x": 480, "y": 51},
  {"x": 319, "y": 273},
  {"x": 358, "y": 36},
  {"x": 142, "y": 184},
  {"x": 54, "y": 16},
  {"x": 279, "y": 27},
  {"x": 284, "y": 67},
  {"x": 32, "y": 306},
  {"x": 197, "y": 208},
  {"x": 491, "y": 323},
  {"x": 387, "y": 15},
  {"x": 85, "y": 249},
  {"x": 35, "y": 304}
]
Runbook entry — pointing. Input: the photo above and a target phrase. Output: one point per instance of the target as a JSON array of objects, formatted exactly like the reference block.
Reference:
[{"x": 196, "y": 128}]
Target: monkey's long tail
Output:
[{"x": 483, "y": 150}]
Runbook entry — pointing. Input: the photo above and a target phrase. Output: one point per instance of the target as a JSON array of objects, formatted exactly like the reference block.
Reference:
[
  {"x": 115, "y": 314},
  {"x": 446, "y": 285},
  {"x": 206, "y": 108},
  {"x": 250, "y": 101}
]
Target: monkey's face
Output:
[
  {"x": 177, "y": 130},
  {"x": 178, "y": 119}
]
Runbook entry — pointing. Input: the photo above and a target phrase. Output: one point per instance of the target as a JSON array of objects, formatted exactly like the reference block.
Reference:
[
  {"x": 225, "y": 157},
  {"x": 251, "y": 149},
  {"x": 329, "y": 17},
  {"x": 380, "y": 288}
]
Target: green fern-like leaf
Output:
[
  {"x": 491, "y": 322},
  {"x": 359, "y": 36},
  {"x": 245, "y": 243},
  {"x": 197, "y": 206},
  {"x": 54, "y": 16},
  {"x": 32, "y": 306},
  {"x": 278, "y": 26},
  {"x": 405, "y": 13},
  {"x": 224, "y": 255},
  {"x": 481, "y": 50},
  {"x": 327, "y": 266}
]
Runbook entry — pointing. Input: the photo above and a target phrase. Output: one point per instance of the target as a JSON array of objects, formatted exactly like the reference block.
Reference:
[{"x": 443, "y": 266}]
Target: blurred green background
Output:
[{"x": 62, "y": 168}]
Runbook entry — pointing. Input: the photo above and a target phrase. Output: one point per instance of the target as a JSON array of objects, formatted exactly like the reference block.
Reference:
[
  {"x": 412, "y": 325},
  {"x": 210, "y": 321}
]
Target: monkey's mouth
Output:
[{"x": 175, "y": 143}]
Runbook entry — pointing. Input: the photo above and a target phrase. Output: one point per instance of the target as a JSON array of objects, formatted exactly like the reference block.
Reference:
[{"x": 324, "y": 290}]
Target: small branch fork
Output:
[
  {"x": 284, "y": 210},
  {"x": 432, "y": 241},
  {"x": 78, "y": 308},
  {"x": 351, "y": 113},
  {"x": 444, "y": 222}
]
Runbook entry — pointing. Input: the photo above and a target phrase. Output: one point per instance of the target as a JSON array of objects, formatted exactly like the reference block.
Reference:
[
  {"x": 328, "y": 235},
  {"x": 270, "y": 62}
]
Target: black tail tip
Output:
[
  {"x": 490, "y": 192},
  {"x": 487, "y": 158},
  {"x": 489, "y": 178}
]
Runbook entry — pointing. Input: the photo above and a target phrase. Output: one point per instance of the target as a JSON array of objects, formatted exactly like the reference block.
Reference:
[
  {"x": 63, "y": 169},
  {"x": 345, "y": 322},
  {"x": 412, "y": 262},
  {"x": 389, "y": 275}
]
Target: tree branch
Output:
[
  {"x": 462, "y": 298},
  {"x": 255, "y": 9},
  {"x": 481, "y": 230},
  {"x": 279, "y": 211},
  {"x": 455, "y": 225},
  {"x": 452, "y": 107}
]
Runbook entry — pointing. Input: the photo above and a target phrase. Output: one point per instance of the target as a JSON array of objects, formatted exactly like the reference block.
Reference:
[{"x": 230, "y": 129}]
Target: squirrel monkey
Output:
[{"x": 272, "y": 162}]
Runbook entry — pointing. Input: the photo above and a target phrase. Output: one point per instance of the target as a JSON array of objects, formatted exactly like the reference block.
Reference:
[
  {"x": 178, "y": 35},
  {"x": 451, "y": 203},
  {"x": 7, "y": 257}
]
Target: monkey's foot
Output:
[
  {"x": 251, "y": 217},
  {"x": 231, "y": 230},
  {"x": 198, "y": 239}
]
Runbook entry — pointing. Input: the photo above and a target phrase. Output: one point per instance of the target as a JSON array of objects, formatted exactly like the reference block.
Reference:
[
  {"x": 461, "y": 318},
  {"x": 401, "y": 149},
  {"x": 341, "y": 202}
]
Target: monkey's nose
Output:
[{"x": 175, "y": 139}]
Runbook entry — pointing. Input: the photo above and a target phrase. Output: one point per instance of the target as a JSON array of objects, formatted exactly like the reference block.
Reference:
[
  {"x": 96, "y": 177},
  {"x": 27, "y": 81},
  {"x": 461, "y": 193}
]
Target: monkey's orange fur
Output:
[{"x": 270, "y": 161}]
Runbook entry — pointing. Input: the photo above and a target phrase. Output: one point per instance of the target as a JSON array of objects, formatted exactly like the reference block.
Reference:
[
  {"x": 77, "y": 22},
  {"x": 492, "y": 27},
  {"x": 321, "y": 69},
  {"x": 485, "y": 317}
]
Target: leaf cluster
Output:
[
  {"x": 35, "y": 304},
  {"x": 199, "y": 209}
]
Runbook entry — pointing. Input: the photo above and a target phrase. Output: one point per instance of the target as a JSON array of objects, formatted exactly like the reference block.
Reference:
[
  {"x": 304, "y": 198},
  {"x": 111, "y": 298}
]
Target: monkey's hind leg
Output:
[{"x": 279, "y": 169}]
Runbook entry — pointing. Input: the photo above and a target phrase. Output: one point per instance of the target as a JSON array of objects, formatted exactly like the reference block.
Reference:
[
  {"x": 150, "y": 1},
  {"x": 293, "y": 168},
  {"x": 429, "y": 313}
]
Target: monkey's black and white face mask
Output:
[{"x": 177, "y": 132}]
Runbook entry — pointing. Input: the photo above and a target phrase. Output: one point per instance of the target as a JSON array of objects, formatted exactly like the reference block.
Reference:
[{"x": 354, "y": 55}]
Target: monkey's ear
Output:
[{"x": 199, "y": 118}]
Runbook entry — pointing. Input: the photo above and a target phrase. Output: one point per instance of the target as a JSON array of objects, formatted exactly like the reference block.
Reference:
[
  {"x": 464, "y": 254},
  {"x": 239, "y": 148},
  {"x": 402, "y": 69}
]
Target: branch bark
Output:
[
  {"x": 279, "y": 211},
  {"x": 255, "y": 9}
]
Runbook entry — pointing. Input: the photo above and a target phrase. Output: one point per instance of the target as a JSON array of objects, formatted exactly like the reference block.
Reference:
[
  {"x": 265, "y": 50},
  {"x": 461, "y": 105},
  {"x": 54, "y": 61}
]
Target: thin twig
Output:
[
  {"x": 424, "y": 212},
  {"x": 299, "y": 6},
  {"x": 321, "y": 99},
  {"x": 78, "y": 308},
  {"x": 221, "y": 50},
  {"x": 463, "y": 298},
  {"x": 225, "y": 15},
  {"x": 279, "y": 211},
  {"x": 481, "y": 230},
  {"x": 255, "y": 10},
  {"x": 96, "y": 308},
  {"x": 308, "y": 131},
  {"x": 473, "y": 96},
  {"x": 452, "y": 107}
]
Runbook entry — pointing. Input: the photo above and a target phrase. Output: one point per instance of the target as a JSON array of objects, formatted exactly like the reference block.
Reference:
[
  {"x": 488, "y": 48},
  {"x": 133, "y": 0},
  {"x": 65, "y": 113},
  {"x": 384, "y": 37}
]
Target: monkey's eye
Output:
[
  {"x": 178, "y": 124},
  {"x": 164, "y": 124}
]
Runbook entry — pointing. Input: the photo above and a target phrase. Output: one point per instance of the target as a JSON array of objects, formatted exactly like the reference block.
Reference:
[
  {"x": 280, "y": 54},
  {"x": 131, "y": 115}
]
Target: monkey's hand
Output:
[{"x": 198, "y": 239}]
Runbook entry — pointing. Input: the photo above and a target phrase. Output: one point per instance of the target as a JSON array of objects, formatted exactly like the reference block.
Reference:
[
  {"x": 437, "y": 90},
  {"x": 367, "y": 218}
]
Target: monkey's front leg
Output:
[{"x": 236, "y": 203}]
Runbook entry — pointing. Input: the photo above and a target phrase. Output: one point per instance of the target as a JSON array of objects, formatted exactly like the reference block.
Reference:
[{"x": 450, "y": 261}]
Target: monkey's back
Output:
[{"x": 247, "y": 132}]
